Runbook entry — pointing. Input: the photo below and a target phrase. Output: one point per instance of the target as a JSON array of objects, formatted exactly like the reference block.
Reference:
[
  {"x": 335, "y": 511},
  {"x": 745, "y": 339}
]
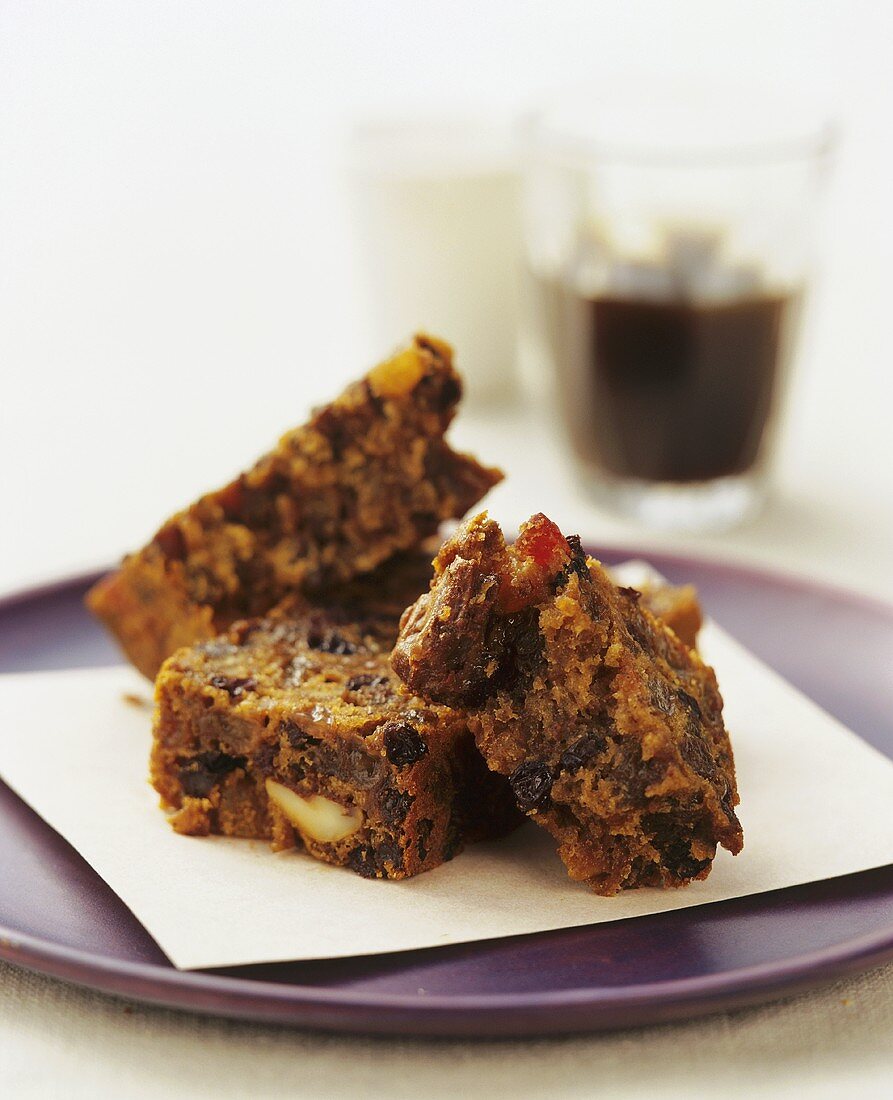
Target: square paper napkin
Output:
[{"x": 816, "y": 802}]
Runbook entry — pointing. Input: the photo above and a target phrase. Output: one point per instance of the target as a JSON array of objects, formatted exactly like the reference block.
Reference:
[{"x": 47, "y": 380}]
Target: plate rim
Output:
[
  {"x": 483, "y": 1014},
  {"x": 486, "y": 1015}
]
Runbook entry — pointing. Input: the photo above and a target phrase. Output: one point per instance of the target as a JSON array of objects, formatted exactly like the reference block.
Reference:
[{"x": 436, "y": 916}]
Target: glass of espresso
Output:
[{"x": 668, "y": 248}]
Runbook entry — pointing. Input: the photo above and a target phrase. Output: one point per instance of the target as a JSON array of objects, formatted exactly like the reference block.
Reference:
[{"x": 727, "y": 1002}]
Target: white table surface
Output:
[
  {"x": 62, "y": 1042},
  {"x": 176, "y": 287}
]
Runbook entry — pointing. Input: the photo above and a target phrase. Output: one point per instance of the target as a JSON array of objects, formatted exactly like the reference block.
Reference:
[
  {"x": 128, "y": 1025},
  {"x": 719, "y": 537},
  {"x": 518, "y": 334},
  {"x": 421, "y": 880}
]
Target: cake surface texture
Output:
[
  {"x": 294, "y": 728},
  {"x": 368, "y": 476},
  {"x": 677, "y": 606},
  {"x": 607, "y": 726}
]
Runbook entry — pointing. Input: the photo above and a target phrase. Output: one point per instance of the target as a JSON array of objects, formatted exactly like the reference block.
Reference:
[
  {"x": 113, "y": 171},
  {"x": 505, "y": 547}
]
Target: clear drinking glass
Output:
[{"x": 668, "y": 242}]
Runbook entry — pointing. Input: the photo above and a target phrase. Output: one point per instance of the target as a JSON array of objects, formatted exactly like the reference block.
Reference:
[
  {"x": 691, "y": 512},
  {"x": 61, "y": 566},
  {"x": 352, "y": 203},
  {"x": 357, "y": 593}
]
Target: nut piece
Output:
[
  {"x": 396, "y": 377},
  {"x": 315, "y": 818}
]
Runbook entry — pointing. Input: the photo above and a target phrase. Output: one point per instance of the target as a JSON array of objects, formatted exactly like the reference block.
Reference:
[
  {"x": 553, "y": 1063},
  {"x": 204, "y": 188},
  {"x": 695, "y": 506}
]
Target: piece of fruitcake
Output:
[
  {"x": 608, "y": 728},
  {"x": 677, "y": 606},
  {"x": 294, "y": 728},
  {"x": 368, "y": 476}
]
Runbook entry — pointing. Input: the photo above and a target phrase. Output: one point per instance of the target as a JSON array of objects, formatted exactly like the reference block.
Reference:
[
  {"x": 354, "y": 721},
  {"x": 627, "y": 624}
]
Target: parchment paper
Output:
[{"x": 816, "y": 802}]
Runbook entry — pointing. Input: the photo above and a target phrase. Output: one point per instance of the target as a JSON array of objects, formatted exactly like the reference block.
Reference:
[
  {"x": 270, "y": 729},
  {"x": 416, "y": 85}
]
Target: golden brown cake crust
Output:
[
  {"x": 305, "y": 700},
  {"x": 370, "y": 475},
  {"x": 677, "y": 607},
  {"x": 608, "y": 727}
]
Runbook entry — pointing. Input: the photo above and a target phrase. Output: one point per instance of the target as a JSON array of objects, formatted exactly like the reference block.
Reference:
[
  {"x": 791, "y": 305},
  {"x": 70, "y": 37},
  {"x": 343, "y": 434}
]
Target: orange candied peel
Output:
[{"x": 539, "y": 554}]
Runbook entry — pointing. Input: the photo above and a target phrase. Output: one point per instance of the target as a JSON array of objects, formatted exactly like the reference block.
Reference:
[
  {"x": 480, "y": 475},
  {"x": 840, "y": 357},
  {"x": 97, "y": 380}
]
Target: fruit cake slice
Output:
[
  {"x": 677, "y": 606},
  {"x": 608, "y": 728},
  {"x": 294, "y": 728},
  {"x": 368, "y": 476}
]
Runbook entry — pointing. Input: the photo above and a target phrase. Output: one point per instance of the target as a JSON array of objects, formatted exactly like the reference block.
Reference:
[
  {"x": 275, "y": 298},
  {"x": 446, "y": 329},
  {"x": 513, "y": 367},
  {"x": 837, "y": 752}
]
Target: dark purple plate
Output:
[{"x": 59, "y": 917}]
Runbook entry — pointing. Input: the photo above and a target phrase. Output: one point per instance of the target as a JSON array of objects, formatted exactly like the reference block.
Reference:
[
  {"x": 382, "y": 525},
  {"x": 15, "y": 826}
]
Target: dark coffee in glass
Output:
[
  {"x": 667, "y": 391},
  {"x": 668, "y": 234}
]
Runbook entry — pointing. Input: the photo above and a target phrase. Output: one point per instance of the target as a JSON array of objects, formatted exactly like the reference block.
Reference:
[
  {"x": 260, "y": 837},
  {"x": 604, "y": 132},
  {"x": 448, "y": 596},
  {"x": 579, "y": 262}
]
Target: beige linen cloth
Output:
[{"x": 59, "y": 1041}]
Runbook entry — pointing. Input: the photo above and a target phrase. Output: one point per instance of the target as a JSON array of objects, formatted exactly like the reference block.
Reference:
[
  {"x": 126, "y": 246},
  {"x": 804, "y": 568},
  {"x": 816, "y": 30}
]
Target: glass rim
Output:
[
  {"x": 423, "y": 144},
  {"x": 543, "y": 133}
]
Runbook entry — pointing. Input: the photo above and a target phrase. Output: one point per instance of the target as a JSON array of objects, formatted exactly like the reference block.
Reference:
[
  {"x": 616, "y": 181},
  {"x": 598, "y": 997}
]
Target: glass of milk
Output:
[{"x": 435, "y": 209}]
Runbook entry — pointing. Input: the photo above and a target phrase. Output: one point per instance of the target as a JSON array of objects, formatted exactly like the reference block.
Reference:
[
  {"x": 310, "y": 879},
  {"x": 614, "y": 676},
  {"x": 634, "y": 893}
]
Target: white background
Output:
[{"x": 176, "y": 275}]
